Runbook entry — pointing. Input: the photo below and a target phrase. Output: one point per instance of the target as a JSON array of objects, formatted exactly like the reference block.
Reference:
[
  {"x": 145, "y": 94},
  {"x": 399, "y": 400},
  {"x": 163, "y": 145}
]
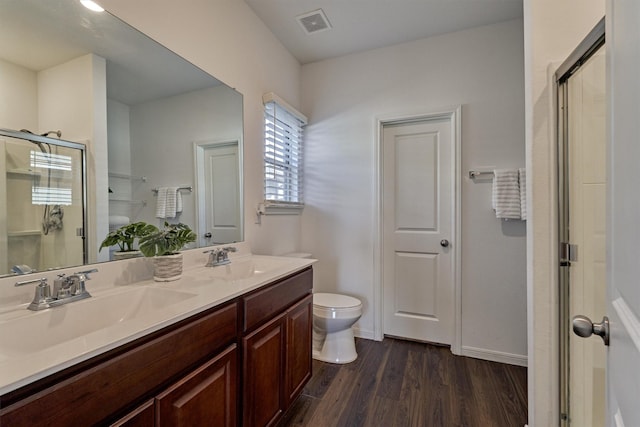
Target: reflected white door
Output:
[
  {"x": 417, "y": 230},
  {"x": 623, "y": 214},
  {"x": 218, "y": 194}
]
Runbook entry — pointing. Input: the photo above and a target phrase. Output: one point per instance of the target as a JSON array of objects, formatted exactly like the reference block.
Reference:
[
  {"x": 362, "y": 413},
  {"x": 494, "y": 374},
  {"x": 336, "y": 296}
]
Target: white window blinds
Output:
[{"x": 283, "y": 152}]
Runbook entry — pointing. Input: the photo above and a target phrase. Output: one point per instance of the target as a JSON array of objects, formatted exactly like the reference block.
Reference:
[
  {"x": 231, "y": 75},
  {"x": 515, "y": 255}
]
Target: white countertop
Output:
[{"x": 202, "y": 289}]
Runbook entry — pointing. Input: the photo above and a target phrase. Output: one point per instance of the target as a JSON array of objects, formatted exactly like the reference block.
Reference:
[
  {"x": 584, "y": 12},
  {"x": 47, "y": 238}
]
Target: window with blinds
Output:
[{"x": 283, "y": 153}]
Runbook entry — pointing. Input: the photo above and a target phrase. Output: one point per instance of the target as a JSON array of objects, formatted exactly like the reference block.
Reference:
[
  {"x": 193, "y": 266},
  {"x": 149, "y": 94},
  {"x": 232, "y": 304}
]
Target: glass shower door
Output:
[
  {"x": 44, "y": 205},
  {"x": 583, "y": 232}
]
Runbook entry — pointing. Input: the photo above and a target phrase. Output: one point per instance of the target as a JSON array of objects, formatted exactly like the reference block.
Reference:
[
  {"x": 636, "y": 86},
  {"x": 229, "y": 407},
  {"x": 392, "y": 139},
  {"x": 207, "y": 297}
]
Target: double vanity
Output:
[{"x": 226, "y": 346}]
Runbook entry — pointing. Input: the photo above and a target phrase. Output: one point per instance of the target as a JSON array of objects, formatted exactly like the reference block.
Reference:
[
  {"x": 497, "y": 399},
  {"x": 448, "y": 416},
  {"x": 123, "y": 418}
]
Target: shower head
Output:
[{"x": 55, "y": 132}]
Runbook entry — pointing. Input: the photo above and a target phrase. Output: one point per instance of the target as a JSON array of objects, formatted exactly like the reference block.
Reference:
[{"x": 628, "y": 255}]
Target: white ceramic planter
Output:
[
  {"x": 126, "y": 255},
  {"x": 167, "y": 268}
]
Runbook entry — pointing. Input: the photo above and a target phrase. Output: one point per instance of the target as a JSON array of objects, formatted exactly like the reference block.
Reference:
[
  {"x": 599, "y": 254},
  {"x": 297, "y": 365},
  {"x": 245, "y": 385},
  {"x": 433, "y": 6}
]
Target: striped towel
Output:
[
  {"x": 506, "y": 194},
  {"x": 170, "y": 209},
  {"x": 522, "y": 180},
  {"x": 169, "y": 202},
  {"x": 161, "y": 203}
]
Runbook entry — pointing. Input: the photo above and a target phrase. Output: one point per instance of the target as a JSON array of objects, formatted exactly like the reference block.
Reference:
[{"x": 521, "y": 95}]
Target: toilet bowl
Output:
[{"x": 333, "y": 318}]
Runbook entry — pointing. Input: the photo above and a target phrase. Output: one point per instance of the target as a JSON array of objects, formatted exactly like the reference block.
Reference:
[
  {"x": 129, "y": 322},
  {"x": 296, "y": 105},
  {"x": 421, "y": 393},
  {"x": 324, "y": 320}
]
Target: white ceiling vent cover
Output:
[{"x": 314, "y": 22}]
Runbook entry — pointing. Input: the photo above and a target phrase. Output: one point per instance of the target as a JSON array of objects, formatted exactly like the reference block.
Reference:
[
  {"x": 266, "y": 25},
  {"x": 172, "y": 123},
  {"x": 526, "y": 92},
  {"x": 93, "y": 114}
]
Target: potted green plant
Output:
[
  {"x": 125, "y": 237},
  {"x": 164, "y": 246}
]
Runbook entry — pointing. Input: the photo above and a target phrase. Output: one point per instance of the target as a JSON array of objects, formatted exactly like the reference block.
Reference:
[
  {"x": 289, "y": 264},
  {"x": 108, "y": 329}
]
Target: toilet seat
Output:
[{"x": 335, "y": 301}]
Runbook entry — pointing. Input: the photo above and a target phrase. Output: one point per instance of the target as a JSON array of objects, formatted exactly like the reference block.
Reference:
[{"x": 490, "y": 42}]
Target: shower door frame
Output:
[
  {"x": 585, "y": 50},
  {"x": 83, "y": 174}
]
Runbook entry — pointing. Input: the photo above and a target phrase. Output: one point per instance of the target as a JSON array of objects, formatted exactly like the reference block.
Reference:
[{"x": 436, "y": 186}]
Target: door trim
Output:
[{"x": 454, "y": 116}]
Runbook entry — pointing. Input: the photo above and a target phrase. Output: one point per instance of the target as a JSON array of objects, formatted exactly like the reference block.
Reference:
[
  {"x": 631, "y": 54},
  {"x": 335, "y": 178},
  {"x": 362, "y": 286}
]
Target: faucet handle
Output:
[
  {"x": 84, "y": 275},
  {"x": 42, "y": 296},
  {"x": 28, "y": 282}
]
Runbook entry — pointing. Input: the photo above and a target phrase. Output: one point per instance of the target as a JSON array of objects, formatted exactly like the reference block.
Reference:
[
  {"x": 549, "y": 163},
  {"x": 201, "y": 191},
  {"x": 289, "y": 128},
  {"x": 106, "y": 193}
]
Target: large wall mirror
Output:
[{"x": 153, "y": 125}]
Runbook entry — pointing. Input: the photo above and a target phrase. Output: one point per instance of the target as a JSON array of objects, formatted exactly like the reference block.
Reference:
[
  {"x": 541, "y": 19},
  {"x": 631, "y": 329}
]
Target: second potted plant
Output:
[
  {"x": 164, "y": 246},
  {"x": 125, "y": 237}
]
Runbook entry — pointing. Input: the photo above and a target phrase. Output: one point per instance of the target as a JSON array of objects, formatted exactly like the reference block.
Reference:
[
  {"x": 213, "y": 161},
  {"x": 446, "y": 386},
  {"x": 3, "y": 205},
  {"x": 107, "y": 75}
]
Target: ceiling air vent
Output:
[{"x": 314, "y": 22}]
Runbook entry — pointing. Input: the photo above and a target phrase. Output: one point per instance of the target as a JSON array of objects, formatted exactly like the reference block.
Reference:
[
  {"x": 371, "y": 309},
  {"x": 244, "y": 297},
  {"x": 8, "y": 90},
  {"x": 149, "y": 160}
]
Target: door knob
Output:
[
  {"x": 444, "y": 243},
  {"x": 584, "y": 327},
  {"x": 207, "y": 235}
]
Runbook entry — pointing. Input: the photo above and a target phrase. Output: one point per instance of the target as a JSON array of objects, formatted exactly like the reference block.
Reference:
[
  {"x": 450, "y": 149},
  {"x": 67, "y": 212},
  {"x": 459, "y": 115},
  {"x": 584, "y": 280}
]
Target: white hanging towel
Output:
[
  {"x": 161, "y": 203},
  {"x": 522, "y": 180},
  {"x": 506, "y": 194},
  {"x": 172, "y": 201},
  {"x": 178, "y": 201}
]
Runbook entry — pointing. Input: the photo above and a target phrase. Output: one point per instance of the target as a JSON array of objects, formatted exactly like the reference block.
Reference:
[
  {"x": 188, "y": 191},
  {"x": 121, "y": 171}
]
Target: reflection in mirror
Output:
[
  {"x": 43, "y": 183},
  {"x": 147, "y": 117}
]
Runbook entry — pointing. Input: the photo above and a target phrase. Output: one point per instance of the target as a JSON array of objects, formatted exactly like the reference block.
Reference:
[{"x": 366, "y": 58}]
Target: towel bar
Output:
[
  {"x": 478, "y": 174},
  {"x": 188, "y": 188}
]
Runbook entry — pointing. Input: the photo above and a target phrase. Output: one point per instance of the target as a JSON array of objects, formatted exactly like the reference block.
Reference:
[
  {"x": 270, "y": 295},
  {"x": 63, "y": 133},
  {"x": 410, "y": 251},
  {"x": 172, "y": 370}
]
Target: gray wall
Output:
[{"x": 481, "y": 69}]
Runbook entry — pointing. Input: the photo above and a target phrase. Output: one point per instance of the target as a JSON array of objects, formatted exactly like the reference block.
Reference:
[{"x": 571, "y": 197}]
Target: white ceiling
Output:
[
  {"x": 38, "y": 36},
  {"x": 360, "y": 25}
]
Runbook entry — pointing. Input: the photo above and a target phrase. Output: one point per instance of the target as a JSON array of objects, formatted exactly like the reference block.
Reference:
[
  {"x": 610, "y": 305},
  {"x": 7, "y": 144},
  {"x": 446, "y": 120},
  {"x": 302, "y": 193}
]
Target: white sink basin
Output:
[
  {"x": 40, "y": 330},
  {"x": 245, "y": 268}
]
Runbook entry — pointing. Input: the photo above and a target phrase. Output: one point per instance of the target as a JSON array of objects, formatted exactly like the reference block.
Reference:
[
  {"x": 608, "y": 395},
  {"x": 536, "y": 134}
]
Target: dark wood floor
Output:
[{"x": 401, "y": 383}]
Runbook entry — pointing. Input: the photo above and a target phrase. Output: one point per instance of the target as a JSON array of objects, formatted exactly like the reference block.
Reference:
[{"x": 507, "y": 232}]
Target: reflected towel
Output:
[
  {"x": 171, "y": 201},
  {"x": 178, "y": 201},
  {"x": 161, "y": 203},
  {"x": 506, "y": 194},
  {"x": 522, "y": 181}
]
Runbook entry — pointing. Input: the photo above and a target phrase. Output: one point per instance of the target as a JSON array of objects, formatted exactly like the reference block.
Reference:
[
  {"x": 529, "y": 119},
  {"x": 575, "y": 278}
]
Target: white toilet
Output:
[{"x": 333, "y": 318}]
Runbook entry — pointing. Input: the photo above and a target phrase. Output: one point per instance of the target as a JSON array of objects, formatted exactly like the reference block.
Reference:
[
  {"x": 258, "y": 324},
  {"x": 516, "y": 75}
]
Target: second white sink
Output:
[{"x": 40, "y": 330}]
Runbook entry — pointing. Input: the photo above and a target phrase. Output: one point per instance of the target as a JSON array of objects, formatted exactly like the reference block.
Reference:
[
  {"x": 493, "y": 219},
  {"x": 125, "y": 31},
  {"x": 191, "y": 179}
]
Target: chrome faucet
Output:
[
  {"x": 219, "y": 256},
  {"x": 66, "y": 289}
]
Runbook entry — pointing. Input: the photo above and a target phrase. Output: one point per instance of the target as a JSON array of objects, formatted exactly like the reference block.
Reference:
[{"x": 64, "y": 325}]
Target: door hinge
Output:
[{"x": 568, "y": 254}]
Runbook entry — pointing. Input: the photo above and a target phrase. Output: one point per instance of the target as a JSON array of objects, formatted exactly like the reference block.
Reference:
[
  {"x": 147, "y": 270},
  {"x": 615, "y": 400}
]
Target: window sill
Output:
[{"x": 279, "y": 208}]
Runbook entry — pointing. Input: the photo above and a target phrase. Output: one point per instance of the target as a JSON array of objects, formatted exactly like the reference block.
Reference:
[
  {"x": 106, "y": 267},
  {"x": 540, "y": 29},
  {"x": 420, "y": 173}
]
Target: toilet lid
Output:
[{"x": 335, "y": 300}]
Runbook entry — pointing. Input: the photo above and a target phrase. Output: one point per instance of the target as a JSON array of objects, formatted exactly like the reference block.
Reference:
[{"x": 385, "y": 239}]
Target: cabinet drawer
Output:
[
  {"x": 206, "y": 397},
  {"x": 102, "y": 390},
  {"x": 263, "y": 304}
]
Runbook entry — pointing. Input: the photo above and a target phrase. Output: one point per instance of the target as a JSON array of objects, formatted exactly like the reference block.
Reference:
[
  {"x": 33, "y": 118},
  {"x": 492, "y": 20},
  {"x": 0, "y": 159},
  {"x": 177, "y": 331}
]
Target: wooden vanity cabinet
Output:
[
  {"x": 188, "y": 373},
  {"x": 142, "y": 416},
  {"x": 206, "y": 397},
  {"x": 100, "y": 390},
  {"x": 276, "y": 348},
  {"x": 299, "y": 322}
]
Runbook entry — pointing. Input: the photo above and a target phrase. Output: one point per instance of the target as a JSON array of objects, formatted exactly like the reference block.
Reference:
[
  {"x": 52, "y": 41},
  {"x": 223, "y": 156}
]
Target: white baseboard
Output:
[
  {"x": 475, "y": 352},
  {"x": 363, "y": 333},
  {"x": 494, "y": 356}
]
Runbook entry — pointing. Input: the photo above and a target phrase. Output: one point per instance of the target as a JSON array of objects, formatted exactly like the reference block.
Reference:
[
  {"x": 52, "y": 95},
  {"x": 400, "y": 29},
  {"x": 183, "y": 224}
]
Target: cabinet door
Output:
[
  {"x": 263, "y": 374},
  {"x": 299, "y": 336},
  {"x": 206, "y": 397},
  {"x": 143, "y": 416}
]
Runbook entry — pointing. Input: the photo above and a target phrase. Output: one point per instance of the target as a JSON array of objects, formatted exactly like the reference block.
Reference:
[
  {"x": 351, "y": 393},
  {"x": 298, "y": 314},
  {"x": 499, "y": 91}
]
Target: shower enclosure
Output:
[
  {"x": 582, "y": 177},
  {"x": 43, "y": 209}
]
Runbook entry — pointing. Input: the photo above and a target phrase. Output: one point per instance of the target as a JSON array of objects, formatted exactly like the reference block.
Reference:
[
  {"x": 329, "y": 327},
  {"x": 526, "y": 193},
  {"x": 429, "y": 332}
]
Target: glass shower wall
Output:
[{"x": 42, "y": 217}]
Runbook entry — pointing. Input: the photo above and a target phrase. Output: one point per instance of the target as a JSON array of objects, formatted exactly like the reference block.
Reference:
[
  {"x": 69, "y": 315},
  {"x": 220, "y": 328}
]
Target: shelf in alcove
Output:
[
  {"x": 24, "y": 233},
  {"x": 24, "y": 172},
  {"x": 126, "y": 176},
  {"x": 132, "y": 202}
]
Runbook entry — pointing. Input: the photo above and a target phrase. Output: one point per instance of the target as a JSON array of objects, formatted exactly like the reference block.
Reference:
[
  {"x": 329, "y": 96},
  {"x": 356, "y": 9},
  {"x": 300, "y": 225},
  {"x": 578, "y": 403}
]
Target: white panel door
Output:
[
  {"x": 221, "y": 194},
  {"x": 623, "y": 213},
  {"x": 417, "y": 229}
]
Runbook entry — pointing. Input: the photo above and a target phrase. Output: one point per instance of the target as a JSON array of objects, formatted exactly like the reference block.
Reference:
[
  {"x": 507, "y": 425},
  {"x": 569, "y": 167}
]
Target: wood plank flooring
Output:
[{"x": 402, "y": 383}]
